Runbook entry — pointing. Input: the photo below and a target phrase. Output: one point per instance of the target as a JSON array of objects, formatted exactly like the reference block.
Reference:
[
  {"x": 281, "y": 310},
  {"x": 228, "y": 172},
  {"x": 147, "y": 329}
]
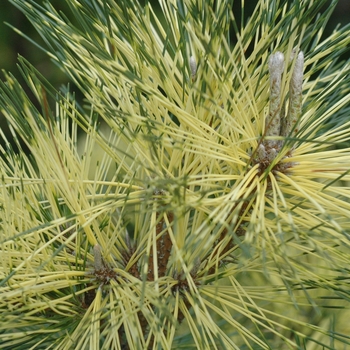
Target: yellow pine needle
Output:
[{"x": 184, "y": 140}]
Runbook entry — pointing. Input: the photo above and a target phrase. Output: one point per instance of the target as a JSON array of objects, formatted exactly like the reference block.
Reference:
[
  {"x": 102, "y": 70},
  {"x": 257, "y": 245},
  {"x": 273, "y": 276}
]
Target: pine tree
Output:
[{"x": 196, "y": 198}]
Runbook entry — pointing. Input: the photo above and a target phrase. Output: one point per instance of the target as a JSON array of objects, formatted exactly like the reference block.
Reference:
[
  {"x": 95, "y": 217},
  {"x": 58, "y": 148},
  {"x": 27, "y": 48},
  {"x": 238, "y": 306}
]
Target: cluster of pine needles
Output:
[{"x": 196, "y": 198}]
